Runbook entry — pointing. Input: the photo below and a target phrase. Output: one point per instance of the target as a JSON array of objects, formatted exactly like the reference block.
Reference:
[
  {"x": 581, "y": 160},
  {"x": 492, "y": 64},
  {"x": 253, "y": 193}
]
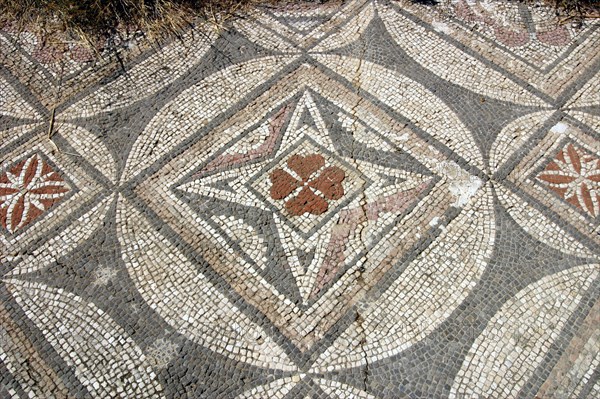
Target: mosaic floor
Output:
[{"x": 366, "y": 199}]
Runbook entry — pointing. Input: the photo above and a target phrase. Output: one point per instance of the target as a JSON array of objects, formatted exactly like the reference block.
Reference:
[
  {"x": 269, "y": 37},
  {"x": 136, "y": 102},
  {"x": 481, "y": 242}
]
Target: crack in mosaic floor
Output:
[{"x": 365, "y": 199}]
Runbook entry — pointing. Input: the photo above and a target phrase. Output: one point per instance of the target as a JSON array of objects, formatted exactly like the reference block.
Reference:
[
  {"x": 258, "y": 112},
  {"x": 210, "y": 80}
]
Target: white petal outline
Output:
[
  {"x": 403, "y": 315},
  {"x": 531, "y": 318},
  {"x": 48, "y": 183},
  {"x": 8, "y": 199},
  {"x": 155, "y": 72},
  {"x": 9, "y": 213},
  {"x": 46, "y": 196},
  {"x": 569, "y": 162},
  {"x": 187, "y": 300},
  {"x": 539, "y": 226},
  {"x": 36, "y": 203},
  {"x": 595, "y": 202},
  {"x": 185, "y": 115},
  {"x": 14, "y": 179},
  {"x": 578, "y": 192},
  {"x": 38, "y": 171},
  {"x": 412, "y": 100},
  {"x": 10, "y": 202},
  {"x": 427, "y": 48},
  {"x": 25, "y": 215},
  {"x": 65, "y": 241},
  {"x": 8, "y": 185},
  {"x": 23, "y": 172},
  {"x": 561, "y": 172},
  {"x": 88, "y": 339}
]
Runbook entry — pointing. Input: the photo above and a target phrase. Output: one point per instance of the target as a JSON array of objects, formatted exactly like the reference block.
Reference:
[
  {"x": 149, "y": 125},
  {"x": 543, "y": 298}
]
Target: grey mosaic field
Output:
[{"x": 360, "y": 199}]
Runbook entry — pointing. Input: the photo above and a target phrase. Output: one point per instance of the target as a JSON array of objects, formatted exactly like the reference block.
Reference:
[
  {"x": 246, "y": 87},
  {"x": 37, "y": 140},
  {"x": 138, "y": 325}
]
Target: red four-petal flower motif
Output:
[
  {"x": 27, "y": 190},
  {"x": 575, "y": 175},
  {"x": 328, "y": 184}
]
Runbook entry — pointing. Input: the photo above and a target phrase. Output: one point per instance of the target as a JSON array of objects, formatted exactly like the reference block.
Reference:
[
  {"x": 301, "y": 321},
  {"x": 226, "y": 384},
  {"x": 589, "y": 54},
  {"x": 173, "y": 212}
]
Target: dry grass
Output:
[
  {"x": 589, "y": 8},
  {"x": 89, "y": 20}
]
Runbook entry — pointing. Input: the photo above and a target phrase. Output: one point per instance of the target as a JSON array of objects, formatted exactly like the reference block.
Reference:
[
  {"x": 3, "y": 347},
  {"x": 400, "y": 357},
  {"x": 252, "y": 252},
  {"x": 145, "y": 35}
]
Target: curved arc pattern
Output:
[
  {"x": 453, "y": 263},
  {"x": 88, "y": 340},
  {"x": 550, "y": 301},
  {"x": 185, "y": 298}
]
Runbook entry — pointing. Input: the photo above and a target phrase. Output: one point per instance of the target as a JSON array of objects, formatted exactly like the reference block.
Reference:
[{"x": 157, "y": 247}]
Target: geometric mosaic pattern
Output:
[
  {"x": 28, "y": 189},
  {"x": 365, "y": 199},
  {"x": 575, "y": 176}
]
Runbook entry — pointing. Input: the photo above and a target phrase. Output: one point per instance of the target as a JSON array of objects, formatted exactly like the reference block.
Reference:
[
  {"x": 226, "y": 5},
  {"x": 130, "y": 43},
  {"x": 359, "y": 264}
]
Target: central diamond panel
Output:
[{"x": 286, "y": 199}]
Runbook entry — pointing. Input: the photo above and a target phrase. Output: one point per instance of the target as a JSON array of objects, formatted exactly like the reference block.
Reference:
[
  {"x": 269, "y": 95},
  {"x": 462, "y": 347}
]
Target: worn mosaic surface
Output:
[{"x": 365, "y": 199}]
